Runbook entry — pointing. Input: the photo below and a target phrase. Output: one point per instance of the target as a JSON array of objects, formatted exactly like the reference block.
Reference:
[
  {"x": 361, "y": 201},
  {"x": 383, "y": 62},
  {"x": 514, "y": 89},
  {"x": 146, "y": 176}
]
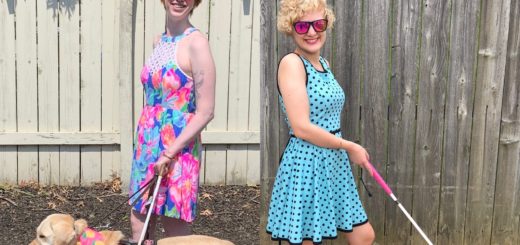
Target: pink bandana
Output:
[{"x": 91, "y": 237}]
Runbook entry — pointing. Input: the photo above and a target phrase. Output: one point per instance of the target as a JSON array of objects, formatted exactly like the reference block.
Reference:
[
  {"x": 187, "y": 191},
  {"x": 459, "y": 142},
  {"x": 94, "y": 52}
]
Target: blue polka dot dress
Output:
[{"x": 314, "y": 194}]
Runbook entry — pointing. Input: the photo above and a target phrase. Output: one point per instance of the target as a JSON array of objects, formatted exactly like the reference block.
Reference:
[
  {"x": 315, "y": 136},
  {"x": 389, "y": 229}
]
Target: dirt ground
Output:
[{"x": 229, "y": 212}]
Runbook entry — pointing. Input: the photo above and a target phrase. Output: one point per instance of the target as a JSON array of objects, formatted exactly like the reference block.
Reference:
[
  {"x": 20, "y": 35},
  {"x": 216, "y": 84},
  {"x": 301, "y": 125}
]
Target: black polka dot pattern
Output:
[{"x": 314, "y": 194}]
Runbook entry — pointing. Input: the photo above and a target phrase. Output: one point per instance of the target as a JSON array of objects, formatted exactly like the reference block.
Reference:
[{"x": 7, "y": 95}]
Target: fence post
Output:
[{"x": 125, "y": 87}]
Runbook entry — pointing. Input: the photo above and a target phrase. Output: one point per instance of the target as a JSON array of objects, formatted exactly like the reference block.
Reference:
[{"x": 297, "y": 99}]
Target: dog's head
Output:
[{"x": 59, "y": 229}]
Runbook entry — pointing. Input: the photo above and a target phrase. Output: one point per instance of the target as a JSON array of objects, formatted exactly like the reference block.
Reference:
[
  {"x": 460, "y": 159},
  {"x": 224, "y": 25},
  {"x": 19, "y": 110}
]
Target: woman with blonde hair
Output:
[
  {"x": 314, "y": 195},
  {"x": 179, "y": 83}
]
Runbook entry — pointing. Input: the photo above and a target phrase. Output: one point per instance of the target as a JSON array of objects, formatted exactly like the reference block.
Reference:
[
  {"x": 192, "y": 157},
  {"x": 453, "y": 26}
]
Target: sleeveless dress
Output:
[
  {"x": 170, "y": 105},
  {"x": 314, "y": 193}
]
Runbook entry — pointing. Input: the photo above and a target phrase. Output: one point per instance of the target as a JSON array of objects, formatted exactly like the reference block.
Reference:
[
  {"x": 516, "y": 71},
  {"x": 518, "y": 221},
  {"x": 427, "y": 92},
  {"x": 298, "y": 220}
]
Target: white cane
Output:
[{"x": 150, "y": 209}]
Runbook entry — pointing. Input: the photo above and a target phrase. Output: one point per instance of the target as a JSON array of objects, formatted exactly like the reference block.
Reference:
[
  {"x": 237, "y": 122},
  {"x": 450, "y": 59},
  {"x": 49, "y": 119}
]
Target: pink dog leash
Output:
[{"x": 388, "y": 191}]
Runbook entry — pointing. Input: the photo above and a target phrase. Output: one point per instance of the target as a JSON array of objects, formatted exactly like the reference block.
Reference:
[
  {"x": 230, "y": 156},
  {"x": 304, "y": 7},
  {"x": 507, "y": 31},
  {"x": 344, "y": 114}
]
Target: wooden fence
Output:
[
  {"x": 433, "y": 93},
  {"x": 70, "y": 91}
]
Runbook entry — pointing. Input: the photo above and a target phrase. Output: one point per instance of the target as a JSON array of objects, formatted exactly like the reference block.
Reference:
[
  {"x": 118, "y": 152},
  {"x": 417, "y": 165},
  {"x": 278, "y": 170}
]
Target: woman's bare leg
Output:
[
  {"x": 137, "y": 223},
  {"x": 175, "y": 227},
  {"x": 361, "y": 235}
]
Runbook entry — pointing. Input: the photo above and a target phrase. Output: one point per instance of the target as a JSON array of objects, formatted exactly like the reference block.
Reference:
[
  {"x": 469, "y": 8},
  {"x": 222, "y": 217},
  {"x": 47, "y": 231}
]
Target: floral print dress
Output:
[{"x": 170, "y": 104}]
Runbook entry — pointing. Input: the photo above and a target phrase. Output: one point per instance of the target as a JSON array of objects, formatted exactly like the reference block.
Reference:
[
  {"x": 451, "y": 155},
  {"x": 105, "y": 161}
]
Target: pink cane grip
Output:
[{"x": 380, "y": 180}]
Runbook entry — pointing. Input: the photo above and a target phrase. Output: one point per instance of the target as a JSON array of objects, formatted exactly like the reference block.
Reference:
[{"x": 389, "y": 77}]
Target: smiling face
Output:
[
  {"x": 312, "y": 41},
  {"x": 179, "y": 9}
]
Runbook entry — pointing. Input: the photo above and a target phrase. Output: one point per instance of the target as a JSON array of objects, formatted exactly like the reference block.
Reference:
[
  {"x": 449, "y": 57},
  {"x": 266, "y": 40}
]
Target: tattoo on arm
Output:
[{"x": 198, "y": 79}]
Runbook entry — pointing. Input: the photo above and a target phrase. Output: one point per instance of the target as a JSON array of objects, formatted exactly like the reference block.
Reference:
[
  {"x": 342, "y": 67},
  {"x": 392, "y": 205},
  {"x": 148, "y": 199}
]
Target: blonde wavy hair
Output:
[
  {"x": 197, "y": 2},
  {"x": 292, "y": 10}
]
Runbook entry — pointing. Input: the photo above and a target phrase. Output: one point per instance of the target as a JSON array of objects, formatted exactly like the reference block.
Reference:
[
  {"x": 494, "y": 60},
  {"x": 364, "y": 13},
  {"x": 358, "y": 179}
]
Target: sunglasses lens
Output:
[
  {"x": 320, "y": 25},
  {"x": 301, "y": 27}
]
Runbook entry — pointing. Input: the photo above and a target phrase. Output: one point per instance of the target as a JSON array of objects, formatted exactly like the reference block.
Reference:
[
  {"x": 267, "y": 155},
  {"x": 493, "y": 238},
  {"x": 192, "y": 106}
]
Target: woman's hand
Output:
[
  {"x": 162, "y": 165},
  {"x": 359, "y": 156}
]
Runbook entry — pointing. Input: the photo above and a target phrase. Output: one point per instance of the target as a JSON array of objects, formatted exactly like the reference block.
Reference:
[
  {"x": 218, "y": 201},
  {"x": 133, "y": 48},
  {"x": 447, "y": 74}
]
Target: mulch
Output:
[{"x": 228, "y": 212}]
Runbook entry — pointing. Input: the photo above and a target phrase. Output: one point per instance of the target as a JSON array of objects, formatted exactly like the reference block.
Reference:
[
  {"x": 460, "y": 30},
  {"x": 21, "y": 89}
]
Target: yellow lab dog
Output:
[{"x": 62, "y": 229}]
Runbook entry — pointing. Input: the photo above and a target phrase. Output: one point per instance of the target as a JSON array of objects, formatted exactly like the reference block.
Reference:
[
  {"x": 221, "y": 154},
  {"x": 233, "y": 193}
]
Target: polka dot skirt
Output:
[{"x": 314, "y": 194}]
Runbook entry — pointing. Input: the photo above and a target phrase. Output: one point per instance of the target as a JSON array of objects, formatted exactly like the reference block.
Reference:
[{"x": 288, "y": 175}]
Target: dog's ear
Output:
[{"x": 79, "y": 226}]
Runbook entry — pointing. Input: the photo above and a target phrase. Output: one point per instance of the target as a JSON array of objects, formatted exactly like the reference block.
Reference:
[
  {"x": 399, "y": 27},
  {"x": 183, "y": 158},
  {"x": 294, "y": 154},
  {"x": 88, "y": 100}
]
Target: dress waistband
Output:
[{"x": 335, "y": 131}]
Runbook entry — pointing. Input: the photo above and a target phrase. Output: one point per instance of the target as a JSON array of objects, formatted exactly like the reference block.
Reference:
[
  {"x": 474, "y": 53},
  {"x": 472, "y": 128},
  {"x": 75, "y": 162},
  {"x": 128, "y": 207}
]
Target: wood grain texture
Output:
[
  {"x": 401, "y": 119},
  {"x": 375, "y": 104},
  {"x": 347, "y": 62},
  {"x": 506, "y": 208},
  {"x": 269, "y": 110},
  {"x": 457, "y": 126},
  {"x": 450, "y": 138},
  {"x": 493, "y": 34},
  {"x": 433, "y": 65}
]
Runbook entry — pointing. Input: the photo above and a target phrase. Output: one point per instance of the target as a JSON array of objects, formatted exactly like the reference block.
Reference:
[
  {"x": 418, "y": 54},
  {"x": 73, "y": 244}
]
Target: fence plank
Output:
[
  {"x": 285, "y": 45},
  {"x": 200, "y": 17},
  {"x": 8, "y": 154},
  {"x": 48, "y": 90},
  {"x": 269, "y": 150},
  {"x": 91, "y": 55},
  {"x": 253, "y": 151},
  {"x": 457, "y": 128},
  {"x": 139, "y": 58},
  {"x": 26, "y": 87},
  {"x": 110, "y": 162},
  {"x": 375, "y": 101},
  {"x": 506, "y": 210},
  {"x": 126, "y": 83},
  {"x": 69, "y": 89},
  {"x": 327, "y": 51},
  {"x": 219, "y": 39},
  {"x": 238, "y": 93},
  {"x": 401, "y": 121},
  {"x": 154, "y": 24},
  {"x": 347, "y": 63},
  {"x": 433, "y": 65},
  {"x": 493, "y": 35},
  {"x": 215, "y": 165}
]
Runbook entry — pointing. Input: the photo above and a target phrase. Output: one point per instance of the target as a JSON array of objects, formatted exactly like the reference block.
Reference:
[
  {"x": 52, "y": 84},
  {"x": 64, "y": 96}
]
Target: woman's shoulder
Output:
[
  {"x": 197, "y": 39},
  {"x": 157, "y": 39},
  {"x": 291, "y": 61}
]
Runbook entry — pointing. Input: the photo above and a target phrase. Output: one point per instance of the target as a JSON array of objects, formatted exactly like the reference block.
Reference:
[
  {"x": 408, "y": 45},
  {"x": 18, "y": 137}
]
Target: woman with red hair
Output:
[{"x": 179, "y": 83}]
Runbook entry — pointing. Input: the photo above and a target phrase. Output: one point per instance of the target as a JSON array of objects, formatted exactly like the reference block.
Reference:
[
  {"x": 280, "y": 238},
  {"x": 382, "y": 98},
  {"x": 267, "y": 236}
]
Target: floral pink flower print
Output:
[
  {"x": 167, "y": 135},
  {"x": 171, "y": 81},
  {"x": 169, "y": 108},
  {"x": 190, "y": 176},
  {"x": 156, "y": 79},
  {"x": 181, "y": 98},
  {"x": 145, "y": 72},
  {"x": 174, "y": 184}
]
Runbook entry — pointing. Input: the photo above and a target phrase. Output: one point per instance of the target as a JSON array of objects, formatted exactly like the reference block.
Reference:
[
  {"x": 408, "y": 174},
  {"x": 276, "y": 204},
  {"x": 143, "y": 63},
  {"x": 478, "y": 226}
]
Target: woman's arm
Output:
[
  {"x": 203, "y": 73},
  {"x": 292, "y": 84}
]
